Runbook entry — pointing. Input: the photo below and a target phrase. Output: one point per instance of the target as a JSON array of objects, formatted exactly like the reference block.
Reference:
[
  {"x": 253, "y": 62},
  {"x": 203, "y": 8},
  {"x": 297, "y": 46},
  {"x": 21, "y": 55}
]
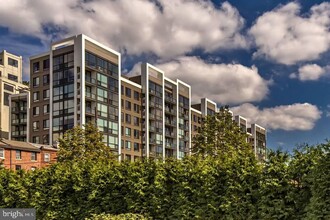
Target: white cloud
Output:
[
  {"x": 285, "y": 36},
  {"x": 222, "y": 83},
  {"x": 297, "y": 116},
  {"x": 310, "y": 72},
  {"x": 169, "y": 29}
]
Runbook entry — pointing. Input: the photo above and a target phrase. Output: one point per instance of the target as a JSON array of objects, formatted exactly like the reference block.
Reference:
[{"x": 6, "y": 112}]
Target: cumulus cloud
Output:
[
  {"x": 297, "y": 116},
  {"x": 222, "y": 83},
  {"x": 310, "y": 72},
  {"x": 165, "y": 28},
  {"x": 287, "y": 37}
]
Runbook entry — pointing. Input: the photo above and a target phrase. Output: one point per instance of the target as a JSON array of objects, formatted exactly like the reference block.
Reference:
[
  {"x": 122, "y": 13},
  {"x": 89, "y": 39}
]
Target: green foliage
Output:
[
  {"x": 219, "y": 136},
  {"x": 128, "y": 216},
  {"x": 212, "y": 184},
  {"x": 83, "y": 144}
]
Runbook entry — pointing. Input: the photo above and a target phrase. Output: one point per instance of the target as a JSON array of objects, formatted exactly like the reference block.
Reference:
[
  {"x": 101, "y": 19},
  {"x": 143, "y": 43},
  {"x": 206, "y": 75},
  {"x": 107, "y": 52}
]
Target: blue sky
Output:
[{"x": 268, "y": 60}]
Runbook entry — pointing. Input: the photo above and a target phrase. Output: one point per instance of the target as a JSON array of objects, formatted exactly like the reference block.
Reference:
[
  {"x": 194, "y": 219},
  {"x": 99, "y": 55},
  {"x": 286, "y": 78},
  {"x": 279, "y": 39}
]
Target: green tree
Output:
[
  {"x": 83, "y": 144},
  {"x": 219, "y": 135},
  {"x": 319, "y": 206}
]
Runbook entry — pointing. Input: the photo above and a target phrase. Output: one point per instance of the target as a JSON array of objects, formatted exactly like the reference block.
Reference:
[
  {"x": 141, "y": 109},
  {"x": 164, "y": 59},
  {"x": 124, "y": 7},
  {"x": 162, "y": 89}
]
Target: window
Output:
[
  {"x": 136, "y": 134},
  {"x": 122, "y": 90},
  {"x": 128, "y": 157},
  {"x": 128, "y": 145},
  {"x": 36, "y": 139},
  {"x": 35, "y": 81},
  {"x": 127, "y": 105},
  {"x": 46, "y": 109},
  {"x": 33, "y": 156},
  {"x": 12, "y": 62},
  {"x": 45, "y": 124},
  {"x": 36, "y": 96},
  {"x": 45, "y": 139},
  {"x": 128, "y": 92},
  {"x": 128, "y": 119},
  {"x": 102, "y": 80},
  {"x": 2, "y": 153},
  {"x": 102, "y": 110},
  {"x": 46, "y": 94},
  {"x": 102, "y": 95},
  {"x": 136, "y": 146},
  {"x": 113, "y": 142},
  {"x": 12, "y": 77},
  {"x": 36, "y": 67},
  {"x": 136, "y": 108},
  {"x": 35, "y": 110},
  {"x": 136, "y": 95},
  {"x": 8, "y": 87},
  {"x": 113, "y": 127},
  {"x": 45, "y": 79},
  {"x": 136, "y": 121},
  {"x": 46, "y": 64},
  {"x": 6, "y": 98},
  {"x": 18, "y": 155},
  {"x": 127, "y": 132},
  {"x": 35, "y": 125},
  {"x": 46, "y": 157},
  {"x": 18, "y": 167}
]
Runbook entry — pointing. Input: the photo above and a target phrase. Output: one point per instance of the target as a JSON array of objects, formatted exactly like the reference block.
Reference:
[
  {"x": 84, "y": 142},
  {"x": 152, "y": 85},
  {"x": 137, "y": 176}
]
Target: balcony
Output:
[
  {"x": 90, "y": 111},
  {"x": 90, "y": 95},
  {"x": 170, "y": 99},
  {"x": 170, "y": 134},
  {"x": 170, "y": 122},
  {"x": 170, "y": 145},
  {"x": 170, "y": 111},
  {"x": 90, "y": 80}
]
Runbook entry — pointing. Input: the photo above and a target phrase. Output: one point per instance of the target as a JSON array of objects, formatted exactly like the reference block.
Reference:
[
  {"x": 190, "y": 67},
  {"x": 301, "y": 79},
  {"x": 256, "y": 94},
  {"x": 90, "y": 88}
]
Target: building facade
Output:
[
  {"x": 17, "y": 155},
  {"x": 10, "y": 83},
  {"x": 146, "y": 115}
]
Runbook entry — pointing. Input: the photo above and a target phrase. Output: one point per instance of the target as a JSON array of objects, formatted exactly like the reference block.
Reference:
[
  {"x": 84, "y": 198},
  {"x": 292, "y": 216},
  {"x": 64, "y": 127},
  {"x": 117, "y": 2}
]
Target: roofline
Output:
[{"x": 130, "y": 82}]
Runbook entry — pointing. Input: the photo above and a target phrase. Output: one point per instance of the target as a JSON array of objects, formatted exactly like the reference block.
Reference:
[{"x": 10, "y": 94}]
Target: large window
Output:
[
  {"x": 36, "y": 66},
  {"x": 102, "y": 110},
  {"x": 46, "y": 124},
  {"x": 33, "y": 156},
  {"x": 113, "y": 142},
  {"x": 12, "y": 77},
  {"x": 64, "y": 107},
  {"x": 35, "y": 81},
  {"x": 102, "y": 95},
  {"x": 18, "y": 155},
  {"x": 35, "y": 110},
  {"x": 127, "y": 132},
  {"x": 35, "y": 125},
  {"x": 102, "y": 80},
  {"x": 36, "y": 96},
  {"x": 8, "y": 87},
  {"x": 46, "y": 94},
  {"x": 12, "y": 62},
  {"x": 46, "y": 64},
  {"x": 113, "y": 127},
  {"x": 128, "y": 92},
  {"x": 45, "y": 79}
]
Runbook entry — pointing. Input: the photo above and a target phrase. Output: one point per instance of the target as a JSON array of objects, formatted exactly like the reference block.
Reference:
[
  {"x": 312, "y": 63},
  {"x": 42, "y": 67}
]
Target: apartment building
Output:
[
  {"x": 17, "y": 155},
  {"x": 19, "y": 117},
  {"x": 258, "y": 140},
  {"x": 79, "y": 80},
  {"x": 131, "y": 120},
  {"x": 10, "y": 83}
]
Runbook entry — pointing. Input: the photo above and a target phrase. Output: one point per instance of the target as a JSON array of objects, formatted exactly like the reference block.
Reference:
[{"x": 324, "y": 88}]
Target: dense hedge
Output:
[{"x": 284, "y": 187}]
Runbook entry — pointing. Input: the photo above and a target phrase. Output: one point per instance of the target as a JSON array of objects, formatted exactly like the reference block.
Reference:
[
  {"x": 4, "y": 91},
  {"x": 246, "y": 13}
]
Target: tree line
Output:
[{"x": 222, "y": 179}]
